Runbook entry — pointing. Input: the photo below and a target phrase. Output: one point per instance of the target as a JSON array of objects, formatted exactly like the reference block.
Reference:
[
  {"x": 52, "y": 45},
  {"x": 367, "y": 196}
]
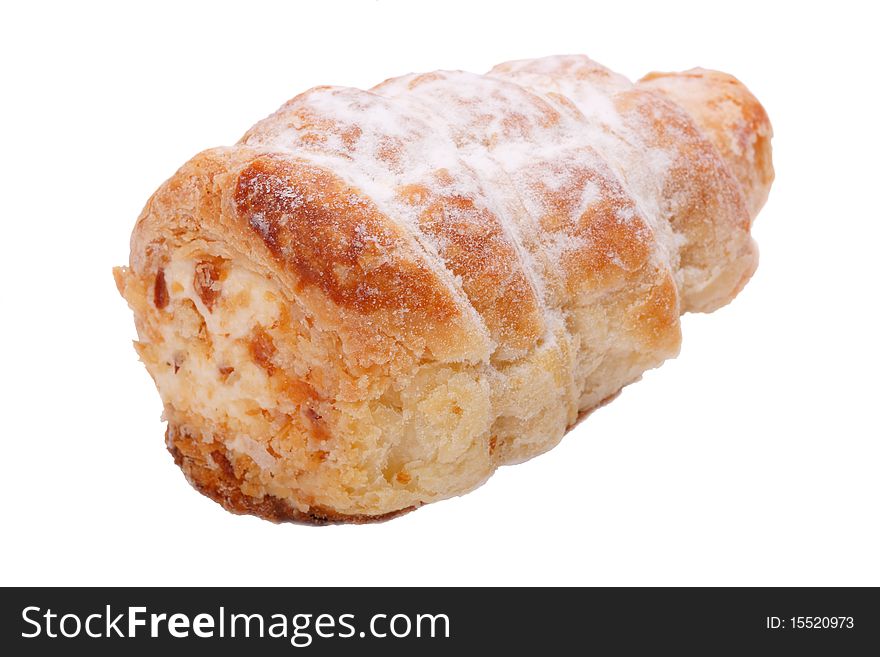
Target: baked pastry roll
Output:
[{"x": 376, "y": 298}]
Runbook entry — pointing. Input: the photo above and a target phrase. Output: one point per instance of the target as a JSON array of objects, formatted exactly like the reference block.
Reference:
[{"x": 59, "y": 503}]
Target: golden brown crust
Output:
[
  {"x": 697, "y": 185},
  {"x": 221, "y": 483},
  {"x": 209, "y": 469},
  {"x": 346, "y": 249},
  {"x": 732, "y": 118},
  {"x": 469, "y": 234},
  {"x": 477, "y": 250},
  {"x": 377, "y": 298}
]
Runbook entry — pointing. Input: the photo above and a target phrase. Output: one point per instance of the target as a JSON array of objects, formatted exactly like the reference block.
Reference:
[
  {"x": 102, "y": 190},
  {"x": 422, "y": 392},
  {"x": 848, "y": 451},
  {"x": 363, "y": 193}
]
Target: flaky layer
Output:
[{"x": 377, "y": 298}]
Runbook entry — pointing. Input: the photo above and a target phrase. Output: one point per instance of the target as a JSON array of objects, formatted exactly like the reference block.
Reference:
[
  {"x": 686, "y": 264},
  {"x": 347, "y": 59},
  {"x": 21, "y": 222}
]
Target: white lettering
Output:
[
  {"x": 24, "y": 616},
  {"x": 178, "y": 625},
  {"x": 203, "y": 626}
]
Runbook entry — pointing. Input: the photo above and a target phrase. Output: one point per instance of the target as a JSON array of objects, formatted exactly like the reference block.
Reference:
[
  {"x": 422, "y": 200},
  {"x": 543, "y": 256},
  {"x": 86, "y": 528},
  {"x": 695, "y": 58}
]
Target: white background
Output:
[{"x": 751, "y": 459}]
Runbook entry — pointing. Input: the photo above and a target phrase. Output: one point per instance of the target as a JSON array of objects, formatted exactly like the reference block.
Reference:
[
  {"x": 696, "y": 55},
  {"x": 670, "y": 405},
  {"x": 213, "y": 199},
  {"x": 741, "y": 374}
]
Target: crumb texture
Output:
[{"x": 376, "y": 298}]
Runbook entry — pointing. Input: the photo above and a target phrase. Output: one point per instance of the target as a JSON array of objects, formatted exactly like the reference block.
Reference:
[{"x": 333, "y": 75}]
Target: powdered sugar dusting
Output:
[{"x": 500, "y": 179}]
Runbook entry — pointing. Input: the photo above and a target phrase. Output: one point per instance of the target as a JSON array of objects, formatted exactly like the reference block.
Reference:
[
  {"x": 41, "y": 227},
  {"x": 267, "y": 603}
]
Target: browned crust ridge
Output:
[{"x": 224, "y": 486}]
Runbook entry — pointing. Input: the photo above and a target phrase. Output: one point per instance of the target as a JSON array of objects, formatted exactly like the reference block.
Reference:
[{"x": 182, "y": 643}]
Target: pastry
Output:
[{"x": 376, "y": 298}]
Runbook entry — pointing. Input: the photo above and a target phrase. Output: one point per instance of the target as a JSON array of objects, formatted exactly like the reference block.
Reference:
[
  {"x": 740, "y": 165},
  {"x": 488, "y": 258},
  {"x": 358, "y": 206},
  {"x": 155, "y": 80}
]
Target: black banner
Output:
[{"x": 332, "y": 621}]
